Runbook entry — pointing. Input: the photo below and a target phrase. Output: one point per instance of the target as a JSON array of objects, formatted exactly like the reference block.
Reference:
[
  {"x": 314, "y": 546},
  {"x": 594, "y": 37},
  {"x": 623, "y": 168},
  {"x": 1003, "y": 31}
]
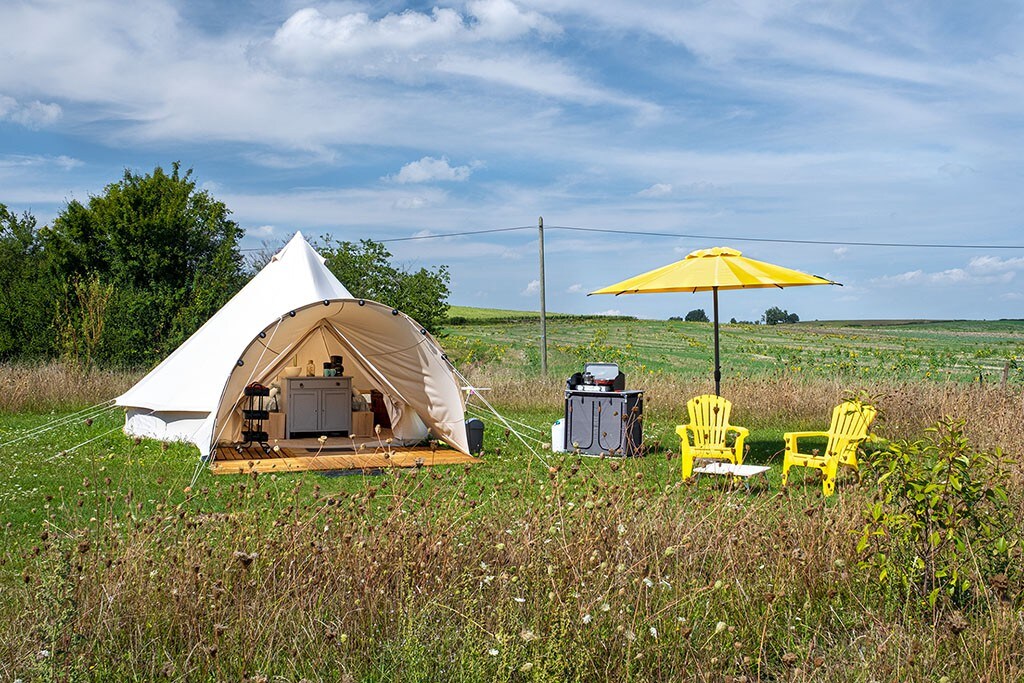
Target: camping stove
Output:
[{"x": 600, "y": 377}]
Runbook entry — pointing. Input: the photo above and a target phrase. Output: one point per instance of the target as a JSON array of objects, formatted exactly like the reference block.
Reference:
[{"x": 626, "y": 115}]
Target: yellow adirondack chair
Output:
[
  {"x": 849, "y": 429},
  {"x": 709, "y": 427}
]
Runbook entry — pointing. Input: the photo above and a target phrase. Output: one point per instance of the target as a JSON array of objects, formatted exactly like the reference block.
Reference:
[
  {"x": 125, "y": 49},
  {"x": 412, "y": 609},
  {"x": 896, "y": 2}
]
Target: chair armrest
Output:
[
  {"x": 682, "y": 430},
  {"x": 791, "y": 438},
  {"x": 741, "y": 434}
]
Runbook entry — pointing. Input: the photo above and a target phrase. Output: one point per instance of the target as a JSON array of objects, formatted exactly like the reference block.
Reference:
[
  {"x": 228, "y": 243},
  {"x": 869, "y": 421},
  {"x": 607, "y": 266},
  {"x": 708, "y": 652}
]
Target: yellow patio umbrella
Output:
[{"x": 711, "y": 270}]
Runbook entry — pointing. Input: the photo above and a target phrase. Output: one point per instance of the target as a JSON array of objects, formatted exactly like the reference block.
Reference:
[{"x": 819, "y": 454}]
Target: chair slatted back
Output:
[
  {"x": 709, "y": 416},
  {"x": 850, "y": 423}
]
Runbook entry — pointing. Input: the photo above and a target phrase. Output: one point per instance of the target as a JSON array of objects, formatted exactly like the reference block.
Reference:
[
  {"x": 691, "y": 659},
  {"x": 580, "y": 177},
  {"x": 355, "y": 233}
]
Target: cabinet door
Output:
[
  {"x": 609, "y": 435},
  {"x": 303, "y": 410},
  {"x": 336, "y": 410},
  {"x": 579, "y": 414}
]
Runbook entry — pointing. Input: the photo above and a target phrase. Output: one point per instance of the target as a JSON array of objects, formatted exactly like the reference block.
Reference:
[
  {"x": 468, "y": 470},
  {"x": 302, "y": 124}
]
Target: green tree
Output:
[
  {"x": 168, "y": 249},
  {"x": 776, "y": 316},
  {"x": 697, "y": 316},
  {"x": 28, "y": 294},
  {"x": 366, "y": 270}
]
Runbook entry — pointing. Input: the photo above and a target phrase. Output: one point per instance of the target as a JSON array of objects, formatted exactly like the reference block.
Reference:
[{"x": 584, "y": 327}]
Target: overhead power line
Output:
[
  {"x": 694, "y": 236},
  {"x": 838, "y": 243},
  {"x": 456, "y": 234}
]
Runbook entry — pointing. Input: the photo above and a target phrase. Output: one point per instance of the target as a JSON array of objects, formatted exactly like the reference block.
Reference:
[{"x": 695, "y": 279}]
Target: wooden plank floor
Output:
[{"x": 231, "y": 460}]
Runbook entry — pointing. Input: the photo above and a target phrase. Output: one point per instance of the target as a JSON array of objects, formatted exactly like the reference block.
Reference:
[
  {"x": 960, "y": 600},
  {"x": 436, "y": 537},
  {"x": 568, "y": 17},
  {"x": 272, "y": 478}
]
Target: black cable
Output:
[
  {"x": 722, "y": 238},
  {"x": 717, "y": 238},
  {"x": 456, "y": 234}
]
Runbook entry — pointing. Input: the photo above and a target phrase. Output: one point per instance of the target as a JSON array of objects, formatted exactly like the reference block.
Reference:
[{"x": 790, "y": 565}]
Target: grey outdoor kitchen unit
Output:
[{"x": 601, "y": 417}]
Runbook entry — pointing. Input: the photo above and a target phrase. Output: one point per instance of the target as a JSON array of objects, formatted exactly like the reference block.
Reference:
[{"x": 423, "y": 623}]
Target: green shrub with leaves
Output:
[{"x": 941, "y": 525}]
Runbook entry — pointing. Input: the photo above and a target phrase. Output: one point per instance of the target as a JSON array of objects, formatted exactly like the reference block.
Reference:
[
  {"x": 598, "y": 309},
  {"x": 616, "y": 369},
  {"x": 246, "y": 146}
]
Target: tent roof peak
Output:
[{"x": 297, "y": 247}]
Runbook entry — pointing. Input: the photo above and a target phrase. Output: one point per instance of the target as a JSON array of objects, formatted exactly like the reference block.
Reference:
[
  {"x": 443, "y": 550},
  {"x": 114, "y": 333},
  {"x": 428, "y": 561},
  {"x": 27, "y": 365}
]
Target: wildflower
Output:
[
  {"x": 720, "y": 626},
  {"x": 587, "y": 618},
  {"x": 621, "y": 529},
  {"x": 519, "y": 600},
  {"x": 654, "y": 632},
  {"x": 244, "y": 558},
  {"x": 648, "y": 582},
  {"x": 605, "y": 607},
  {"x": 493, "y": 652}
]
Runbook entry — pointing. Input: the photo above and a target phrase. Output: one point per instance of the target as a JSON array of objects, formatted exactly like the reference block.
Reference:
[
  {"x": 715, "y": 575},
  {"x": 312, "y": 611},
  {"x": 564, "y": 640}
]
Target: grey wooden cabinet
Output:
[{"x": 318, "y": 406}]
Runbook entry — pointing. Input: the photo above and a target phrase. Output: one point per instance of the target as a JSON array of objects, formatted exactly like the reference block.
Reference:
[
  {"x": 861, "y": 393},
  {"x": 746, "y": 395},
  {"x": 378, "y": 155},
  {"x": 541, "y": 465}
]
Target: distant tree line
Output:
[
  {"x": 773, "y": 316},
  {"x": 126, "y": 277}
]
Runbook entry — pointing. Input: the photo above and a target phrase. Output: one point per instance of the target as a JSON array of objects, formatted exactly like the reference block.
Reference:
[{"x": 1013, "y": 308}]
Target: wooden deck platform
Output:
[{"x": 302, "y": 457}]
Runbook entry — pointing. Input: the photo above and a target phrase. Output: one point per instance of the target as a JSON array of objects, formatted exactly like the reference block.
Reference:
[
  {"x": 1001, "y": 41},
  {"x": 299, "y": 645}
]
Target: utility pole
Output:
[{"x": 543, "y": 309}]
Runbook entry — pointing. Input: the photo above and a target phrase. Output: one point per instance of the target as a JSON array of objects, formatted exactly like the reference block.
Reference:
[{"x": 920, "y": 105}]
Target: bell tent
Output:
[{"x": 296, "y": 310}]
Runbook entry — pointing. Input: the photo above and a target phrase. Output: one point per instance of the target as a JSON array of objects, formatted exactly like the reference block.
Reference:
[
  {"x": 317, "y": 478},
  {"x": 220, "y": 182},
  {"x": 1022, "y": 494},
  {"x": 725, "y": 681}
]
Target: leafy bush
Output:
[
  {"x": 941, "y": 524},
  {"x": 697, "y": 316}
]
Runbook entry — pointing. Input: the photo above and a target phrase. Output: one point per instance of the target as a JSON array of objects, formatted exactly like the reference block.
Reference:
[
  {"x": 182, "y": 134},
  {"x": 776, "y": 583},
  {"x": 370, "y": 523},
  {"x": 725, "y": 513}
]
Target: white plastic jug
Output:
[{"x": 558, "y": 436}]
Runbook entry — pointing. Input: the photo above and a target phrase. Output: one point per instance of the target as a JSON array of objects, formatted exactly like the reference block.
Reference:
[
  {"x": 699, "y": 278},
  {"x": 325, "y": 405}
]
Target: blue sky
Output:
[{"x": 767, "y": 119}]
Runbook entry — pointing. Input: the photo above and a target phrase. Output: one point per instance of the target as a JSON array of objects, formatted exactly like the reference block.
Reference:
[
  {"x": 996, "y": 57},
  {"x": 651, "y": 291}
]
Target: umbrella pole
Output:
[{"x": 718, "y": 368}]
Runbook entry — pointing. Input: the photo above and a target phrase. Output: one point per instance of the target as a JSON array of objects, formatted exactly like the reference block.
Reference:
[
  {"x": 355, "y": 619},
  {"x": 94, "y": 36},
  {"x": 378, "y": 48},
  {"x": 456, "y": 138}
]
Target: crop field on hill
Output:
[
  {"x": 534, "y": 566},
  {"x": 958, "y": 351}
]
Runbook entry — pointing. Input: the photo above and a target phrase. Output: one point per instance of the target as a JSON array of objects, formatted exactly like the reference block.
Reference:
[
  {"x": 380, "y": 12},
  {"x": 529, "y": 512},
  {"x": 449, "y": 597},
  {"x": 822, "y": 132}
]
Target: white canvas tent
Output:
[{"x": 296, "y": 308}]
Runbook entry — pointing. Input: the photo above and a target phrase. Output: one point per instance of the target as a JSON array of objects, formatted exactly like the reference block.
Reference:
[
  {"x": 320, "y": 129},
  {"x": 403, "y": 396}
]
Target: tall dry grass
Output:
[
  {"x": 588, "y": 573},
  {"x": 49, "y": 386}
]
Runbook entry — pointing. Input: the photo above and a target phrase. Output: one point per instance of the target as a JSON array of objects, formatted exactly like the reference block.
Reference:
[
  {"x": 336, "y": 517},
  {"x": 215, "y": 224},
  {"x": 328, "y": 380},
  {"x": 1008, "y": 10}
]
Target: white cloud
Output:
[
  {"x": 261, "y": 231},
  {"x": 840, "y": 252},
  {"x": 411, "y": 202},
  {"x": 988, "y": 264},
  {"x": 533, "y": 287},
  {"x": 62, "y": 162},
  {"x": 542, "y": 76},
  {"x": 950, "y": 276},
  {"x": 575, "y": 288},
  {"x": 656, "y": 190},
  {"x": 503, "y": 20},
  {"x": 610, "y": 311},
  {"x": 312, "y": 37},
  {"x": 33, "y": 115},
  {"x": 429, "y": 169}
]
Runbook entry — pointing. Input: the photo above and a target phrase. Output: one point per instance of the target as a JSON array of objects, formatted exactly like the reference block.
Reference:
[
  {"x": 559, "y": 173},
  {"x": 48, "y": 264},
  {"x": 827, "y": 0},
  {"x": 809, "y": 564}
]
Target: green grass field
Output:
[{"x": 531, "y": 566}]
